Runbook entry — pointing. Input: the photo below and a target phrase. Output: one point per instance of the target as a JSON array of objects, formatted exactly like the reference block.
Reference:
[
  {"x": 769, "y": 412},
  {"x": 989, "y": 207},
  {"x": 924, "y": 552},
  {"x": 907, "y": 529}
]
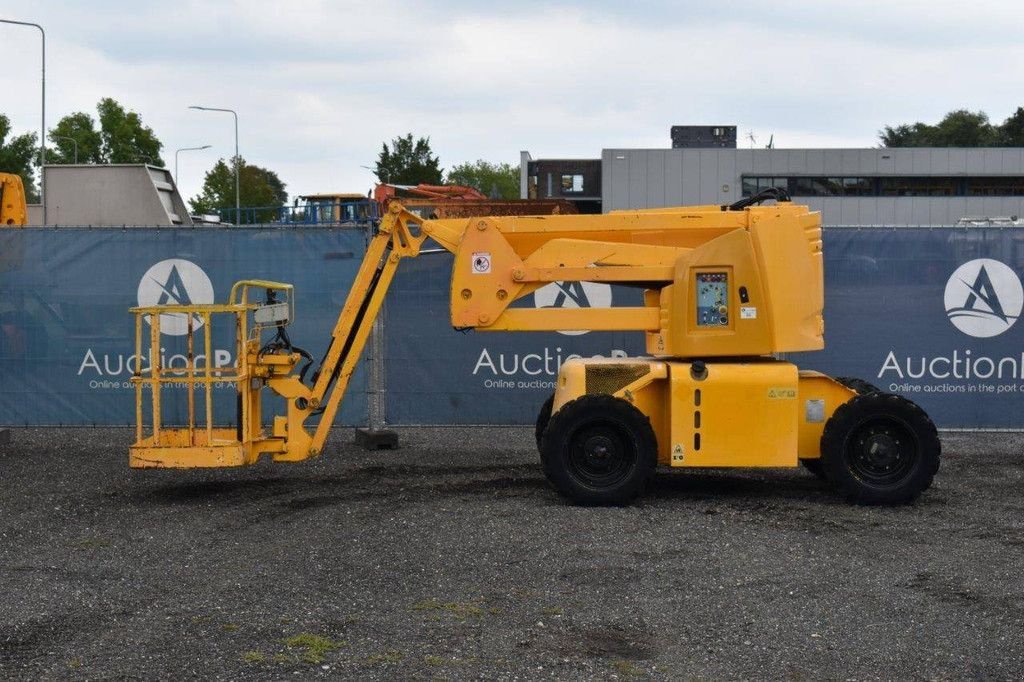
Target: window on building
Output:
[
  {"x": 817, "y": 187},
  {"x": 995, "y": 187},
  {"x": 866, "y": 186},
  {"x": 752, "y": 186},
  {"x": 918, "y": 187},
  {"x": 572, "y": 184}
]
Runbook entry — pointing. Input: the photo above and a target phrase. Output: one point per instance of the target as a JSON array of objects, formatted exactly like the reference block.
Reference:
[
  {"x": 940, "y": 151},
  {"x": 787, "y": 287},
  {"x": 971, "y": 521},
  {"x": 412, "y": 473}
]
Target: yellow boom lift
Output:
[
  {"x": 726, "y": 289},
  {"x": 13, "y": 208}
]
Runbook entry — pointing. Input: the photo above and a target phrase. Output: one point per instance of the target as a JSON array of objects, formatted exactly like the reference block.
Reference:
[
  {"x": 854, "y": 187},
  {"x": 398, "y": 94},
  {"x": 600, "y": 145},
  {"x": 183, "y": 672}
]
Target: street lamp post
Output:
[
  {"x": 71, "y": 140},
  {"x": 238, "y": 168},
  {"x": 42, "y": 127},
  {"x": 184, "y": 149}
]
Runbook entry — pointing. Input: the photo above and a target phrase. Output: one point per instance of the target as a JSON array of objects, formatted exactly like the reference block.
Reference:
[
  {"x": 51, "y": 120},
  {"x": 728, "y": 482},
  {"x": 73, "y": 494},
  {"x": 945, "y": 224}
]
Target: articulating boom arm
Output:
[{"x": 669, "y": 253}]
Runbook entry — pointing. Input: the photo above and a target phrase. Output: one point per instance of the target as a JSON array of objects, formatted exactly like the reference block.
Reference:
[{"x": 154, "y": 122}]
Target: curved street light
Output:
[
  {"x": 238, "y": 169},
  {"x": 184, "y": 149},
  {"x": 70, "y": 139},
  {"x": 42, "y": 127}
]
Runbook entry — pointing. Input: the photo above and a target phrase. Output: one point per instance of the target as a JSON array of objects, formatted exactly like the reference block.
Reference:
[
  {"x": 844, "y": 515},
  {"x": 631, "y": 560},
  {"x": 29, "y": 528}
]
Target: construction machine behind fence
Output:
[
  {"x": 726, "y": 289},
  {"x": 13, "y": 206}
]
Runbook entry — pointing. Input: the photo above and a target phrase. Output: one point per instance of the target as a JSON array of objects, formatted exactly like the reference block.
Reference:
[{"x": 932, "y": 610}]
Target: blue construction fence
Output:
[{"x": 927, "y": 313}]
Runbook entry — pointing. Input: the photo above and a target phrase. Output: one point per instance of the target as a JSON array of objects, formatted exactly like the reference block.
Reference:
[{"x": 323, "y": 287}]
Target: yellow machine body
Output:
[
  {"x": 756, "y": 413},
  {"x": 13, "y": 206},
  {"x": 718, "y": 284}
]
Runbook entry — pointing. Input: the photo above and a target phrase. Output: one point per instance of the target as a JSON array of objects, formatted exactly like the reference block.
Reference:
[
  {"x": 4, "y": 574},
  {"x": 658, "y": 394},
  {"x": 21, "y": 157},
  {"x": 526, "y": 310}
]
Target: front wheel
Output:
[
  {"x": 599, "y": 449},
  {"x": 880, "y": 449}
]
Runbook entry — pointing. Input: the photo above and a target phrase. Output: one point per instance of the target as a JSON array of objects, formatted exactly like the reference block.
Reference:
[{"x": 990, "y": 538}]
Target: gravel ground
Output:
[{"x": 451, "y": 558}]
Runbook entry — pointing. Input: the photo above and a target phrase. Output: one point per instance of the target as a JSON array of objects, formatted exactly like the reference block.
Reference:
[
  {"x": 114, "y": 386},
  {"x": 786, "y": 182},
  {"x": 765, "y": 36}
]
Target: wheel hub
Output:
[
  {"x": 598, "y": 450},
  {"x": 600, "y": 456},
  {"x": 881, "y": 453}
]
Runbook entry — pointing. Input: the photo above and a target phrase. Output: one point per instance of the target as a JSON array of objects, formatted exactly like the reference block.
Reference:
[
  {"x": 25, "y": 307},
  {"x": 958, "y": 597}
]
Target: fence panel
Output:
[
  {"x": 67, "y": 339},
  {"x": 887, "y": 296}
]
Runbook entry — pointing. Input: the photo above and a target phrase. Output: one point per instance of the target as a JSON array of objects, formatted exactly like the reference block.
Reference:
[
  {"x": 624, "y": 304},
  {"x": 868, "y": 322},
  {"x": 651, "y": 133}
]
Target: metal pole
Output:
[
  {"x": 42, "y": 127},
  {"x": 238, "y": 173},
  {"x": 184, "y": 149},
  {"x": 238, "y": 169}
]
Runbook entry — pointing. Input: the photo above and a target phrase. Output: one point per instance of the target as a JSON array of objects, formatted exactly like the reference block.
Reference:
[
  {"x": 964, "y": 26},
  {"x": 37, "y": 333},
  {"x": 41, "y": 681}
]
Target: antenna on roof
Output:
[
  {"x": 750, "y": 136},
  {"x": 771, "y": 142}
]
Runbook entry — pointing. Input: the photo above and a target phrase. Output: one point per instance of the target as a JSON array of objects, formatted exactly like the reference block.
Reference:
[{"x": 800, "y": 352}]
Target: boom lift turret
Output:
[{"x": 726, "y": 289}]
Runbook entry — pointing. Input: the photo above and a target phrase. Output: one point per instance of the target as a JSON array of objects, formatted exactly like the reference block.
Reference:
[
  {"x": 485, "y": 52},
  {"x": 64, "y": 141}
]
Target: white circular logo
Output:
[
  {"x": 573, "y": 295},
  {"x": 175, "y": 281},
  {"x": 983, "y": 298}
]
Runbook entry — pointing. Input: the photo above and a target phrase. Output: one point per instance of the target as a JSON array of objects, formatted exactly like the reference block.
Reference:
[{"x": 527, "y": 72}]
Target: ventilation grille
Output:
[{"x": 607, "y": 379}]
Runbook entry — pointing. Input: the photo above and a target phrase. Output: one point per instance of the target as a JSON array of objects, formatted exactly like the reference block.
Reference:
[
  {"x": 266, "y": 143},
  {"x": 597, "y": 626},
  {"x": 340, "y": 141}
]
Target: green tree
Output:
[
  {"x": 496, "y": 180},
  {"x": 408, "y": 162},
  {"x": 121, "y": 138},
  {"x": 81, "y": 128},
  {"x": 125, "y": 139},
  {"x": 960, "y": 128},
  {"x": 19, "y": 155},
  {"x": 258, "y": 188},
  {"x": 1011, "y": 132}
]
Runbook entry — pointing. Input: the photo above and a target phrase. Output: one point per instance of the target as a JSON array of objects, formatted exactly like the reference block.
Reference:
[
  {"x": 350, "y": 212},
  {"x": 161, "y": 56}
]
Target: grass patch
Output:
[
  {"x": 313, "y": 646},
  {"x": 433, "y": 660},
  {"x": 92, "y": 543},
  {"x": 254, "y": 657},
  {"x": 460, "y": 609},
  {"x": 627, "y": 669},
  {"x": 552, "y": 611},
  {"x": 229, "y": 627},
  {"x": 385, "y": 658}
]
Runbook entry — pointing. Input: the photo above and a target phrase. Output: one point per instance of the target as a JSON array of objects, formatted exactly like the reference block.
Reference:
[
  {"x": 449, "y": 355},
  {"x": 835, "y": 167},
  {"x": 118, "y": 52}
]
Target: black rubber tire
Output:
[
  {"x": 854, "y": 384},
  {"x": 543, "y": 417},
  {"x": 599, "y": 450},
  {"x": 815, "y": 467},
  {"x": 862, "y": 387},
  {"x": 880, "y": 449}
]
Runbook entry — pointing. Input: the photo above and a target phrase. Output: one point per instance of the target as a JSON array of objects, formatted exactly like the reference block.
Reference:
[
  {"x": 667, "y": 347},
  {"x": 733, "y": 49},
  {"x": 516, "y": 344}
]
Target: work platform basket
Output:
[{"x": 199, "y": 441}]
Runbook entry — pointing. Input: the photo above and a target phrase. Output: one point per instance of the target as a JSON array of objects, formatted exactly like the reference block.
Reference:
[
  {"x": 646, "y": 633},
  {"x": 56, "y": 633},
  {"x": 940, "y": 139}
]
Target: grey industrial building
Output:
[{"x": 884, "y": 186}]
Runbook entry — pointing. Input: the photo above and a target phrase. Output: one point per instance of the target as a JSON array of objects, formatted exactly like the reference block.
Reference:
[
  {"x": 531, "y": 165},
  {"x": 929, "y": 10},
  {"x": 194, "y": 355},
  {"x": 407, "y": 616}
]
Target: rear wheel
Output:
[
  {"x": 859, "y": 385},
  {"x": 814, "y": 466},
  {"x": 599, "y": 449},
  {"x": 854, "y": 384},
  {"x": 543, "y": 417},
  {"x": 880, "y": 449}
]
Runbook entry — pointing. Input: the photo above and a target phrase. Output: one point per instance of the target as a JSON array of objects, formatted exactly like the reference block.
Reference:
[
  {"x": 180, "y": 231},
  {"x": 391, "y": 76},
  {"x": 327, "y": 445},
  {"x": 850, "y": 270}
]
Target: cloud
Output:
[{"x": 319, "y": 85}]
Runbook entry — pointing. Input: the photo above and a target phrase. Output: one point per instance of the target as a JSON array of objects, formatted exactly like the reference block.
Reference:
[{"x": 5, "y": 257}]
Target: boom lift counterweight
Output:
[{"x": 725, "y": 289}]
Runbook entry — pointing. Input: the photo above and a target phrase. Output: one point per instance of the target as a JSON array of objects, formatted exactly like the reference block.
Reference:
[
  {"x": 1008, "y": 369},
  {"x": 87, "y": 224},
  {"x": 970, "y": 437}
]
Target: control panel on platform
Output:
[{"x": 712, "y": 299}]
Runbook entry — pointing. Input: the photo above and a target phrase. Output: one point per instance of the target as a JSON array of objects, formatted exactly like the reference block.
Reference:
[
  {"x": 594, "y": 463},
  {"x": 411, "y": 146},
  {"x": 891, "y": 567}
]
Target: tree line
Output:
[
  {"x": 960, "y": 128},
  {"x": 117, "y": 135}
]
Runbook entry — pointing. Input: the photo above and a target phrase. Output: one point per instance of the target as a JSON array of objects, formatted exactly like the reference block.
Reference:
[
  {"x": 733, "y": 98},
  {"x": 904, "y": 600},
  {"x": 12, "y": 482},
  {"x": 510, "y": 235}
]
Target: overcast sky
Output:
[{"x": 319, "y": 85}]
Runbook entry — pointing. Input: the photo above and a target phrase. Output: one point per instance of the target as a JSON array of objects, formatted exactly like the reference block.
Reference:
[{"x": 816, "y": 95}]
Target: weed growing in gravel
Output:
[
  {"x": 314, "y": 646},
  {"x": 92, "y": 543},
  {"x": 552, "y": 611},
  {"x": 460, "y": 609},
  {"x": 253, "y": 657},
  {"x": 229, "y": 627},
  {"x": 433, "y": 660},
  {"x": 627, "y": 669},
  {"x": 385, "y": 658}
]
